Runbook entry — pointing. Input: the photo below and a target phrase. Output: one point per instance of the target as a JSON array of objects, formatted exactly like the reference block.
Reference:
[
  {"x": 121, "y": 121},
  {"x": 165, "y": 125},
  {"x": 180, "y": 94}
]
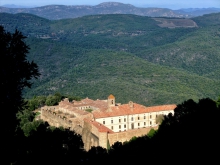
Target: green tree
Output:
[
  {"x": 16, "y": 74},
  {"x": 151, "y": 133},
  {"x": 27, "y": 122},
  {"x": 52, "y": 100},
  {"x": 159, "y": 119},
  {"x": 218, "y": 102},
  {"x": 192, "y": 128}
]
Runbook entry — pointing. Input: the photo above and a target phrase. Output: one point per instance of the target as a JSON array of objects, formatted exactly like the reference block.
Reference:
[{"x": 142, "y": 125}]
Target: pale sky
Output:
[{"x": 173, "y": 4}]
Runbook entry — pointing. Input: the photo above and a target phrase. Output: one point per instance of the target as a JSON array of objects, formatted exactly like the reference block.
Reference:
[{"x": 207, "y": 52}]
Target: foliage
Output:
[
  {"x": 26, "y": 120},
  {"x": 89, "y": 110},
  {"x": 53, "y": 146},
  {"x": 151, "y": 133},
  {"x": 159, "y": 119},
  {"x": 218, "y": 102},
  {"x": 96, "y": 55},
  {"x": 16, "y": 74},
  {"x": 50, "y": 100}
]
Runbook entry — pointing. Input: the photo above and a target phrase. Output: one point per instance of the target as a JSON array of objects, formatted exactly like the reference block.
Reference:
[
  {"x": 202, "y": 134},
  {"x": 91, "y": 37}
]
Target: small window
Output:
[
  {"x": 138, "y": 124},
  {"x": 103, "y": 122},
  {"x": 125, "y": 126},
  {"x": 112, "y": 127},
  {"x": 119, "y": 120},
  {"x": 144, "y": 117},
  {"x": 124, "y": 119},
  {"x": 150, "y": 116},
  {"x": 150, "y": 122},
  {"x": 119, "y": 126},
  {"x": 131, "y": 118},
  {"x": 112, "y": 121},
  {"x": 138, "y": 118},
  {"x": 132, "y": 126},
  {"x": 144, "y": 123}
]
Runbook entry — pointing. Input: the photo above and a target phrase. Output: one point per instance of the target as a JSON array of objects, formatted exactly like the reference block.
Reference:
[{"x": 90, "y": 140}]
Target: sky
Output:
[{"x": 172, "y": 4}]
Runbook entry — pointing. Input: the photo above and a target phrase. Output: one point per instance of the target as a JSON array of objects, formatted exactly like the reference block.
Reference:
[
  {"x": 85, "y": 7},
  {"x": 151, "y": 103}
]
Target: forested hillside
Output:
[{"x": 129, "y": 56}]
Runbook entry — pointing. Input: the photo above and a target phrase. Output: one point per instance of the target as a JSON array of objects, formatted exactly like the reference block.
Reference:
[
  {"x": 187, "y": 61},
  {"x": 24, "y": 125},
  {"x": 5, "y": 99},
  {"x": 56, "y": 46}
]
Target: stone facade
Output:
[{"x": 108, "y": 122}]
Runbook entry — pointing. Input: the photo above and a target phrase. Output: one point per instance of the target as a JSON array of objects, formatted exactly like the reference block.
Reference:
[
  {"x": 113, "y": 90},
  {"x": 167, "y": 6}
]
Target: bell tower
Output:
[{"x": 111, "y": 100}]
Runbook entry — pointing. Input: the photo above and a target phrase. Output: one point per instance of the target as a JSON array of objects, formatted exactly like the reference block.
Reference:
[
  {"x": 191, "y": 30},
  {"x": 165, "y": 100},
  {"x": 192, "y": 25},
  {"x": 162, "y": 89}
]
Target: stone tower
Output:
[{"x": 111, "y": 100}]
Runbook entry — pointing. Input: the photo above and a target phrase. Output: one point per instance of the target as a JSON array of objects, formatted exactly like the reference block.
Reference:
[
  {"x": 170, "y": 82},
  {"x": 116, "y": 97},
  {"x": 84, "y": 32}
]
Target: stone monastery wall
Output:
[
  {"x": 108, "y": 122},
  {"x": 127, "y": 135},
  {"x": 58, "y": 121}
]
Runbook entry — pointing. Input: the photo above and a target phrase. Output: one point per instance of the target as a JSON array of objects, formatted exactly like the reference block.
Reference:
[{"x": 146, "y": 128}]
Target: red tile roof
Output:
[
  {"x": 100, "y": 127},
  {"x": 103, "y": 111},
  {"x": 111, "y": 96},
  {"x": 125, "y": 109}
]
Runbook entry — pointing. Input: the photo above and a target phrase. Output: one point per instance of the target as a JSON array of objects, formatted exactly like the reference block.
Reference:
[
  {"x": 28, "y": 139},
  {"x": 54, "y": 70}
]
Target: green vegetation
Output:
[
  {"x": 126, "y": 55},
  {"x": 159, "y": 119},
  {"x": 26, "y": 121},
  {"x": 151, "y": 133},
  {"x": 50, "y": 100},
  {"x": 89, "y": 110},
  {"x": 181, "y": 134}
]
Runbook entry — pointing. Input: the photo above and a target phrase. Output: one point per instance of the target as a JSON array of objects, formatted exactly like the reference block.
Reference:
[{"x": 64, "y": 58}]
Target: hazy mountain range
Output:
[{"x": 54, "y": 12}]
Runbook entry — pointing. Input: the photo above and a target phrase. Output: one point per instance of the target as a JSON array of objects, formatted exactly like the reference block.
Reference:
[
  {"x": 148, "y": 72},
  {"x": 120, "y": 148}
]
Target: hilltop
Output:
[
  {"x": 56, "y": 12},
  {"x": 130, "y": 56}
]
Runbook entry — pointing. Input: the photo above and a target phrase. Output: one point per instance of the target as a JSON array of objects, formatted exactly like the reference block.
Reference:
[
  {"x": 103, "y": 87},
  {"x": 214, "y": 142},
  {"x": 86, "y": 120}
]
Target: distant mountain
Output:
[
  {"x": 133, "y": 57},
  {"x": 55, "y": 12},
  {"x": 16, "y": 6},
  {"x": 193, "y": 12}
]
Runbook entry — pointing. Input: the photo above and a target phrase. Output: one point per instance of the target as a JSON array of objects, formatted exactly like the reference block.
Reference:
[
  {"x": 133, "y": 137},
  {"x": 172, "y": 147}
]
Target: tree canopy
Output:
[{"x": 17, "y": 73}]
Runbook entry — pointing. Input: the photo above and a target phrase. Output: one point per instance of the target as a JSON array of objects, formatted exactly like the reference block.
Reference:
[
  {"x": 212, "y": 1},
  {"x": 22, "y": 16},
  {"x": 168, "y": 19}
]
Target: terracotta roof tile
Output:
[
  {"x": 100, "y": 127},
  {"x": 125, "y": 109},
  {"x": 102, "y": 111},
  {"x": 111, "y": 96}
]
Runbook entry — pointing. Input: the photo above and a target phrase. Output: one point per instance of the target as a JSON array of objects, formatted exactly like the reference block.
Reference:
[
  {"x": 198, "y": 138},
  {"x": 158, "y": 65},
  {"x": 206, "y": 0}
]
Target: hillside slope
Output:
[{"x": 130, "y": 56}]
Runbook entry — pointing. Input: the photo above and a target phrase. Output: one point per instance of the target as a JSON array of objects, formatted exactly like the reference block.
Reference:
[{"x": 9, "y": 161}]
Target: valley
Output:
[{"x": 130, "y": 56}]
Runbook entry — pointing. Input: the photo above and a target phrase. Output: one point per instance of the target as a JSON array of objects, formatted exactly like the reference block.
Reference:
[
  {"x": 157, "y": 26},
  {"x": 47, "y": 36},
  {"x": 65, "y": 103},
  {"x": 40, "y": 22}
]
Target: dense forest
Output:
[
  {"x": 130, "y": 56},
  {"x": 188, "y": 136}
]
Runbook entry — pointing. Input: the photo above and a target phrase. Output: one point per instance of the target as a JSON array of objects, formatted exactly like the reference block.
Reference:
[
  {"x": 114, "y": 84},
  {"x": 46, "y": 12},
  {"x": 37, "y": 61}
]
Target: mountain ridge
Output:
[{"x": 56, "y": 12}]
